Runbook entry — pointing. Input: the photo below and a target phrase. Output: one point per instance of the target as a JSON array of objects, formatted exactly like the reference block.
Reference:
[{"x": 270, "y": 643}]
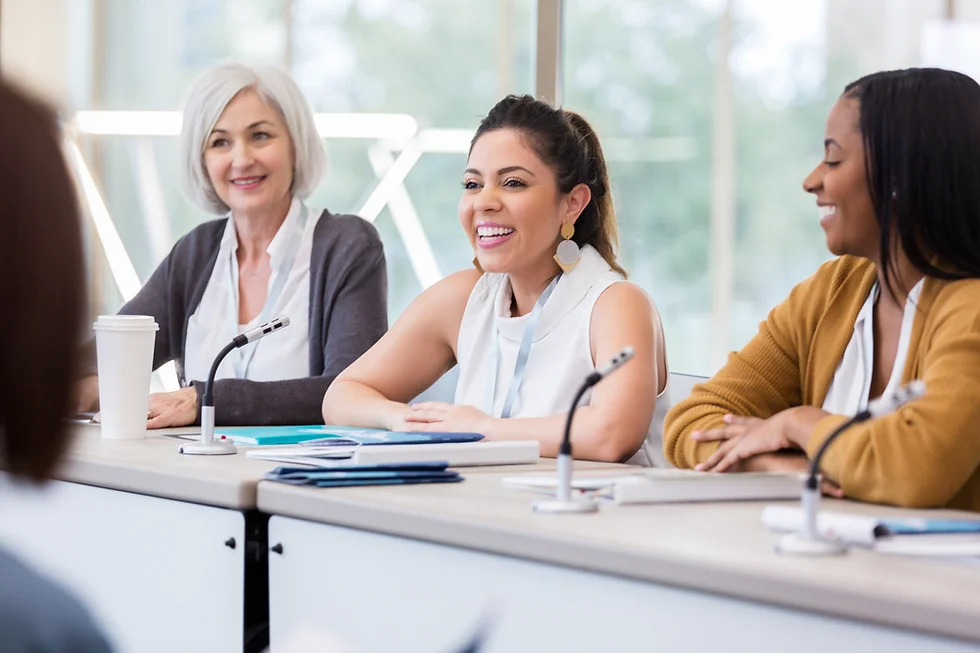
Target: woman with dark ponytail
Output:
[{"x": 547, "y": 302}]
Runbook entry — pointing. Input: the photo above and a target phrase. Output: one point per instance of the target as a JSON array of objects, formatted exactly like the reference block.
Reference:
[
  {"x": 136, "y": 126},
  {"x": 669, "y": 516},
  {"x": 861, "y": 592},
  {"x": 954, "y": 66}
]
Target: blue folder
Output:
[
  {"x": 352, "y": 475},
  {"x": 916, "y": 526},
  {"x": 326, "y": 435}
]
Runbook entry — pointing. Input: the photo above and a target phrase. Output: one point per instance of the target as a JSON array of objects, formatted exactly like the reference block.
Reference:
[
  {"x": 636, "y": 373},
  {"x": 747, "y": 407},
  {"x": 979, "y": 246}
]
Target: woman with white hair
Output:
[{"x": 250, "y": 150}]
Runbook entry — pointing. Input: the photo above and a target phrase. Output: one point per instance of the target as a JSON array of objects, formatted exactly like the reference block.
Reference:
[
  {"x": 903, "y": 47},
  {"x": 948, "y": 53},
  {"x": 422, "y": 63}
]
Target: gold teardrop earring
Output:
[{"x": 568, "y": 254}]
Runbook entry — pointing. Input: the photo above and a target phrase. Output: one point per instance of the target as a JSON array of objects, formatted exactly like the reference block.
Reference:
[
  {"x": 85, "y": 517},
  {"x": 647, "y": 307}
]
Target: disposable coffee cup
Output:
[{"x": 124, "y": 344}]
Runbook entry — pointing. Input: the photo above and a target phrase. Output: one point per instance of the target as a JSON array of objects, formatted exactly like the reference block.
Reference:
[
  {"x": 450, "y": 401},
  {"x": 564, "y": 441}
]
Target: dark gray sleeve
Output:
[
  {"x": 360, "y": 308},
  {"x": 355, "y": 316},
  {"x": 152, "y": 299}
]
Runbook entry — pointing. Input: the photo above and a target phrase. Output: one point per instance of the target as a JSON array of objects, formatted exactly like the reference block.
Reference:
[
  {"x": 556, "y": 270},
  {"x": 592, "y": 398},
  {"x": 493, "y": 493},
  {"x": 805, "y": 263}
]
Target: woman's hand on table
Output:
[
  {"x": 440, "y": 416},
  {"x": 86, "y": 394},
  {"x": 744, "y": 437},
  {"x": 178, "y": 408}
]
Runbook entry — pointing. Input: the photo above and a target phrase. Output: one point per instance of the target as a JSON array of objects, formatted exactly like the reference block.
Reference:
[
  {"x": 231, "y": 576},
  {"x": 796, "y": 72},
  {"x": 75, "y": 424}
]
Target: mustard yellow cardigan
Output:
[{"x": 924, "y": 455}]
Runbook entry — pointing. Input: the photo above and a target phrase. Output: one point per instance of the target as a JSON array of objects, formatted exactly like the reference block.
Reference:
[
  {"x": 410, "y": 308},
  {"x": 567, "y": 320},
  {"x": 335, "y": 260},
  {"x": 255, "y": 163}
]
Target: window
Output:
[
  {"x": 374, "y": 59},
  {"x": 442, "y": 62},
  {"x": 711, "y": 113}
]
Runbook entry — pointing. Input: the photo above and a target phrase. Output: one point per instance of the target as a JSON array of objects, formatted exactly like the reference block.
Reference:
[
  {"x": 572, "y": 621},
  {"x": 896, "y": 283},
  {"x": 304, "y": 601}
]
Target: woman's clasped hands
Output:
[{"x": 777, "y": 443}]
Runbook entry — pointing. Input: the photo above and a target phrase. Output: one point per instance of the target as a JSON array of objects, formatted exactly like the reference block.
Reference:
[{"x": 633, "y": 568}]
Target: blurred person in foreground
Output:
[{"x": 42, "y": 298}]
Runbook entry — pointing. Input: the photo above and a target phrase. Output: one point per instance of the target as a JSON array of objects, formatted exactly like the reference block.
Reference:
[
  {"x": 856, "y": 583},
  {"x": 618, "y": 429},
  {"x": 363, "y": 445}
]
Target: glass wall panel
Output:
[
  {"x": 440, "y": 64},
  {"x": 712, "y": 113}
]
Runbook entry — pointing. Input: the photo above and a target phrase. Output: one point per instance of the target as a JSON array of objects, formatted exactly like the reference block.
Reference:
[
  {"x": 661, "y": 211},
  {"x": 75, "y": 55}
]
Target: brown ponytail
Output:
[{"x": 599, "y": 227}]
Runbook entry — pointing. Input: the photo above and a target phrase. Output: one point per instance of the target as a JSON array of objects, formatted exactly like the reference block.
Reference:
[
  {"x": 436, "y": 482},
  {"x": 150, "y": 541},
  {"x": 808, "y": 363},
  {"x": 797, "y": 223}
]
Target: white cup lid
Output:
[{"x": 126, "y": 322}]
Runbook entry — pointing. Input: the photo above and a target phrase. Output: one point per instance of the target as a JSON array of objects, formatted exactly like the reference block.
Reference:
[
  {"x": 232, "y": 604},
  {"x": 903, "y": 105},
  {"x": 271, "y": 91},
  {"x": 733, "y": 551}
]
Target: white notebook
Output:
[
  {"x": 676, "y": 486},
  {"x": 681, "y": 485},
  {"x": 457, "y": 454}
]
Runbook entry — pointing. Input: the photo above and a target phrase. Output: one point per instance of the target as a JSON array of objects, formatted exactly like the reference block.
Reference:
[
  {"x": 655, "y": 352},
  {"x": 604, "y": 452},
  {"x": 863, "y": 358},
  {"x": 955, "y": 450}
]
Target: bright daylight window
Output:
[{"x": 711, "y": 112}]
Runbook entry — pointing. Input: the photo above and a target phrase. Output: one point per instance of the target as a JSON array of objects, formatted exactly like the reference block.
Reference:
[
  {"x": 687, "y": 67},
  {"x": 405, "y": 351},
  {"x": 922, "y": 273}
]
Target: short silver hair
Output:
[{"x": 206, "y": 101}]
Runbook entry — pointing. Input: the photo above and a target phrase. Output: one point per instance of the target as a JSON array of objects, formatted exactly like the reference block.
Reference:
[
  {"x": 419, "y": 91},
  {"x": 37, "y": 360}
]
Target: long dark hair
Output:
[
  {"x": 41, "y": 290},
  {"x": 921, "y": 131},
  {"x": 566, "y": 142}
]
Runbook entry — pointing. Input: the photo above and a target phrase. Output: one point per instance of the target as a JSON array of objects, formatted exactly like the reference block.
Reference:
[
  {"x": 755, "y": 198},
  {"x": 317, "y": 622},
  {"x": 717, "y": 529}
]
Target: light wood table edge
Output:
[{"x": 159, "y": 483}]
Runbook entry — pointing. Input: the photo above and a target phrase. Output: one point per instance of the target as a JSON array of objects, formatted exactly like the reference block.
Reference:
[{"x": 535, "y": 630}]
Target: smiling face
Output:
[
  {"x": 840, "y": 185},
  {"x": 511, "y": 209},
  {"x": 249, "y": 156}
]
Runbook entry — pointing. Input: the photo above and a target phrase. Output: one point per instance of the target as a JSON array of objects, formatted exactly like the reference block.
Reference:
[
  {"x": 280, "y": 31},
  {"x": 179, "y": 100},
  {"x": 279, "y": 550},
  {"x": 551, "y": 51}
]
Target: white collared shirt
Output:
[
  {"x": 848, "y": 393},
  {"x": 284, "y": 355}
]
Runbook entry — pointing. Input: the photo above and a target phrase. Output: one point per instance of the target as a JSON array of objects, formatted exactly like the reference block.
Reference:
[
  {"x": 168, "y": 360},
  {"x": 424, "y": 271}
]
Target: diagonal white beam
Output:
[
  {"x": 151, "y": 198},
  {"x": 120, "y": 265},
  {"x": 390, "y": 180},
  {"x": 407, "y": 221}
]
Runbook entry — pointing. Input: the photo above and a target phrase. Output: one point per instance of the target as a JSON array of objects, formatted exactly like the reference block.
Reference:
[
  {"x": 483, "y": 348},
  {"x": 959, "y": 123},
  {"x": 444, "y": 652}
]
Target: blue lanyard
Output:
[
  {"x": 520, "y": 365},
  {"x": 275, "y": 291}
]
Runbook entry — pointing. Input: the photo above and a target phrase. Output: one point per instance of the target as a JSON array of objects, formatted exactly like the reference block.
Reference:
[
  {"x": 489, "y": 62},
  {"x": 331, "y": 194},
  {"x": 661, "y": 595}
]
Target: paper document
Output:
[
  {"x": 299, "y": 455},
  {"x": 549, "y": 482},
  {"x": 853, "y": 529},
  {"x": 318, "y": 434},
  {"x": 457, "y": 454},
  {"x": 905, "y": 536},
  {"x": 673, "y": 485}
]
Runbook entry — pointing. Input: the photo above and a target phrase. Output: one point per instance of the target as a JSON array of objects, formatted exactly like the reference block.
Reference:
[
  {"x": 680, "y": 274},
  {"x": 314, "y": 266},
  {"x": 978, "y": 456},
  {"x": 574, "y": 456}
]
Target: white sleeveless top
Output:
[{"x": 561, "y": 350}]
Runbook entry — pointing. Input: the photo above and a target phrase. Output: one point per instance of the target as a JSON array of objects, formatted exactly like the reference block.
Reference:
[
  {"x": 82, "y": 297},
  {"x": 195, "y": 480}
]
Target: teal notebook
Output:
[{"x": 329, "y": 435}]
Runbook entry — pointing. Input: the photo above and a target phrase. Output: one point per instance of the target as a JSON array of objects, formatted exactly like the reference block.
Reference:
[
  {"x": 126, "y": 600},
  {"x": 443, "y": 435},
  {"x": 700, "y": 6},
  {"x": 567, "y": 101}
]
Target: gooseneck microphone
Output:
[
  {"x": 564, "y": 502},
  {"x": 207, "y": 445},
  {"x": 809, "y": 541}
]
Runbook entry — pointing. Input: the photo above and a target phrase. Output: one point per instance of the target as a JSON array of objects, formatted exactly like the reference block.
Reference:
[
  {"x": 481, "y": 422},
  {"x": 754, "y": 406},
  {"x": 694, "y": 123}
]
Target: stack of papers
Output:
[
  {"x": 905, "y": 536},
  {"x": 456, "y": 454},
  {"x": 675, "y": 486},
  {"x": 356, "y": 475},
  {"x": 681, "y": 485}
]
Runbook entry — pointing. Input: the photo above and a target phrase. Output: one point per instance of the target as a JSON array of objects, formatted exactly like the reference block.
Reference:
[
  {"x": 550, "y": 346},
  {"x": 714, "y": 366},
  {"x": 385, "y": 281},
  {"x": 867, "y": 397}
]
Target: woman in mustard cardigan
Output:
[{"x": 899, "y": 198}]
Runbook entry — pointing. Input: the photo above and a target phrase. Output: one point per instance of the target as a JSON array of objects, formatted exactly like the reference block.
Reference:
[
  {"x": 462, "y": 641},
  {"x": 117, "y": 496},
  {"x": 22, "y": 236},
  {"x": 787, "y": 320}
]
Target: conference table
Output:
[
  {"x": 184, "y": 553},
  {"x": 167, "y": 550},
  {"x": 423, "y": 568}
]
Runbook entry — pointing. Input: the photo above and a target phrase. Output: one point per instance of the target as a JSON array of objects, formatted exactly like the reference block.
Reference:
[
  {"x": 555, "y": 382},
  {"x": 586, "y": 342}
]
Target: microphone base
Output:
[
  {"x": 216, "y": 448},
  {"x": 797, "y": 544},
  {"x": 572, "y": 506}
]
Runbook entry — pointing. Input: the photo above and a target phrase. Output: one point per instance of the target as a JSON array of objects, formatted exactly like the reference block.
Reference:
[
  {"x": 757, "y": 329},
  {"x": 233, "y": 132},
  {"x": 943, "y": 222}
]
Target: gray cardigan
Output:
[{"x": 348, "y": 313}]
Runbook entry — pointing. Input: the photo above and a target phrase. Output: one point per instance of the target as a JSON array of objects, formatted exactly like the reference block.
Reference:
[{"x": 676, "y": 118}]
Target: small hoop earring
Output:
[{"x": 568, "y": 254}]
